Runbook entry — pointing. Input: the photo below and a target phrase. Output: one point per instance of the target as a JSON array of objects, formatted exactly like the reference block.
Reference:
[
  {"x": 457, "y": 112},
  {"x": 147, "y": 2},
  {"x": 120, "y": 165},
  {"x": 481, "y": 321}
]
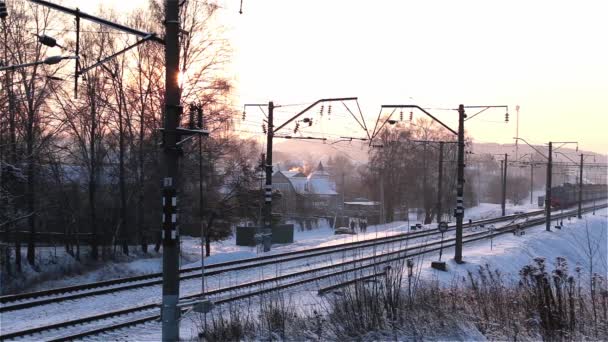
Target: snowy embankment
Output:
[
  {"x": 581, "y": 242},
  {"x": 461, "y": 312},
  {"x": 54, "y": 261}
]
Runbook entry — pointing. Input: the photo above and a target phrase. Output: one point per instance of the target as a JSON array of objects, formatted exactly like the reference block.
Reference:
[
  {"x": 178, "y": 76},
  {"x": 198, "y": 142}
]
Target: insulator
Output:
[
  {"x": 309, "y": 122},
  {"x": 264, "y": 128},
  {"x": 411, "y": 116},
  {"x": 244, "y": 115},
  {"x": 295, "y": 130},
  {"x": 329, "y": 109},
  {"x": 507, "y": 117},
  {"x": 3, "y": 10},
  {"x": 401, "y": 116},
  {"x": 321, "y": 111}
]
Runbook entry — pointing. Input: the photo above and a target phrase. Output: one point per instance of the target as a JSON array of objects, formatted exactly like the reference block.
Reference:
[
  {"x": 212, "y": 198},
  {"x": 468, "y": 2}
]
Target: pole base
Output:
[
  {"x": 459, "y": 262},
  {"x": 439, "y": 265}
]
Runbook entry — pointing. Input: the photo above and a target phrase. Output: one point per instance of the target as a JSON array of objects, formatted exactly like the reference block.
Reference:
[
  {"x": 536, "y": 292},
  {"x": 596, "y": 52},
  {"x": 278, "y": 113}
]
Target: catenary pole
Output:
[
  {"x": 548, "y": 188},
  {"x": 267, "y": 233},
  {"x": 439, "y": 182},
  {"x": 459, "y": 211},
  {"x": 504, "y": 186},
  {"x": 580, "y": 189},
  {"x": 531, "y": 182},
  {"x": 170, "y": 159}
]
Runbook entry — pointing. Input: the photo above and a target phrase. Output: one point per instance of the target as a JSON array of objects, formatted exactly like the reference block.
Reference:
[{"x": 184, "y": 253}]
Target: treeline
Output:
[{"x": 85, "y": 161}]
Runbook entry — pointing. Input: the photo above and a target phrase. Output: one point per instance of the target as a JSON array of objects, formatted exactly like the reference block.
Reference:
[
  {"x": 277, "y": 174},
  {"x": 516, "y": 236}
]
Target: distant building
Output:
[{"x": 303, "y": 195}]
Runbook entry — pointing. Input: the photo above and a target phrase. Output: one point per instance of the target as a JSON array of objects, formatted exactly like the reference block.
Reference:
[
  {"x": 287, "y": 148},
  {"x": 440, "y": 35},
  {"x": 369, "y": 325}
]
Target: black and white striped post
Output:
[
  {"x": 459, "y": 211},
  {"x": 267, "y": 232}
]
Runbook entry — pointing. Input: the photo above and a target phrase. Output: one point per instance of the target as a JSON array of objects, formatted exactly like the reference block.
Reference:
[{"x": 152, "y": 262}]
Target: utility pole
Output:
[
  {"x": 171, "y": 147},
  {"x": 504, "y": 185},
  {"x": 549, "y": 174},
  {"x": 267, "y": 233},
  {"x": 439, "y": 182},
  {"x": 580, "y": 189},
  {"x": 531, "y": 181},
  {"x": 548, "y": 188},
  {"x": 342, "y": 211},
  {"x": 270, "y": 132},
  {"x": 170, "y": 159},
  {"x": 517, "y": 134},
  {"x": 459, "y": 211},
  {"x": 383, "y": 217}
]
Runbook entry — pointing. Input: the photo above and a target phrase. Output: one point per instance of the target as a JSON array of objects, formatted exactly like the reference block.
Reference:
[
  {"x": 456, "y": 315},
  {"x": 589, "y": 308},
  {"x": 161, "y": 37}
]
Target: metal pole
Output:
[
  {"x": 459, "y": 211},
  {"x": 267, "y": 234},
  {"x": 200, "y": 212},
  {"x": 504, "y": 186},
  {"x": 383, "y": 211},
  {"x": 342, "y": 211},
  {"x": 580, "y": 189},
  {"x": 517, "y": 134},
  {"x": 548, "y": 189},
  {"x": 439, "y": 185},
  {"x": 170, "y": 159},
  {"x": 531, "y": 182}
]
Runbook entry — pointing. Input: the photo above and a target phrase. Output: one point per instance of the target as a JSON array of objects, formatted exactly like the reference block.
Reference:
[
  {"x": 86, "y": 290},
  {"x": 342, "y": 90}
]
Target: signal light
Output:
[{"x": 3, "y": 10}]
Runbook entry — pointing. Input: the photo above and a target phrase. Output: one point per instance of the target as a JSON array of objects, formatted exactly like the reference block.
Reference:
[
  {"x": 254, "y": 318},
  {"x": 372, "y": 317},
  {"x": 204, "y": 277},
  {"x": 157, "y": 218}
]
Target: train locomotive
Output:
[{"x": 567, "y": 194}]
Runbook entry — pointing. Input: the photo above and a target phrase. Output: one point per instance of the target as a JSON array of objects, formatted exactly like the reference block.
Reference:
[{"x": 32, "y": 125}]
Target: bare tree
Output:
[{"x": 29, "y": 123}]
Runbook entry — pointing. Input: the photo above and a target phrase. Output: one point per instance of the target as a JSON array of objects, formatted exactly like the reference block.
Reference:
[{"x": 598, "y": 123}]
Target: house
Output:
[{"x": 303, "y": 195}]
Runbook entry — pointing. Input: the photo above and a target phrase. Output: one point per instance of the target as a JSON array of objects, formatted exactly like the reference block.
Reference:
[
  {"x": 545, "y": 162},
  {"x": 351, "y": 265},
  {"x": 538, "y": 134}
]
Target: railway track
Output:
[
  {"x": 27, "y": 300},
  {"x": 146, "y": 313}
]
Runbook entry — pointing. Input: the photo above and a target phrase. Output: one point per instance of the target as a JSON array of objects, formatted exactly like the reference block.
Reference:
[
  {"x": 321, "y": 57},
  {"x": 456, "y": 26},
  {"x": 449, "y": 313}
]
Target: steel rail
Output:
[
  {"x": 242, "y": 264},
  {"x": 401, "y": 254}
]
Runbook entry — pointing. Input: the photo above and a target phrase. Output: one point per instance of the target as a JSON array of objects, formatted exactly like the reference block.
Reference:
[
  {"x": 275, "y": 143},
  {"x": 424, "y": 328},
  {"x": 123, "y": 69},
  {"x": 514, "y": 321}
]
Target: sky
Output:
[{"x": 548, "y": 57}]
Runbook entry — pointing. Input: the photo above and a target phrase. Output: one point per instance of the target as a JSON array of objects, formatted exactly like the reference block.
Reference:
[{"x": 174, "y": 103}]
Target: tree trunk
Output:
[
  {"x": 121, "y": 178},
  {"x": 93, "y": 176},
  {"x": 140, "y": 201},
  {"x": 31, "y": 188}
]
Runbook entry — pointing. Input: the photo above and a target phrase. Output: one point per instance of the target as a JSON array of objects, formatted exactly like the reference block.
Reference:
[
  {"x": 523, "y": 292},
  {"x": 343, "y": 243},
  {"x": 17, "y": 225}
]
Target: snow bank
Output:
[{"x": 582, "y": 242}]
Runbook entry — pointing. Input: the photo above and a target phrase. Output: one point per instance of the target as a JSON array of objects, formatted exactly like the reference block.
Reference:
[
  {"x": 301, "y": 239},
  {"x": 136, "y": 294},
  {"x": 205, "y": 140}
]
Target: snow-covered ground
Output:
[
  {"x": 508, "y": 253},
  {"x": 54, "y": 261},
  {"x": 581, "y": 241}
]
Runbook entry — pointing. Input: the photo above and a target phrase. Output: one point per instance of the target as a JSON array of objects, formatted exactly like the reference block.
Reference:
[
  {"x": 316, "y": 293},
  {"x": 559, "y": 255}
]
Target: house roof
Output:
[
  {"x": 317, "y": 183},
  {"x": 290, "y": 174}
]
